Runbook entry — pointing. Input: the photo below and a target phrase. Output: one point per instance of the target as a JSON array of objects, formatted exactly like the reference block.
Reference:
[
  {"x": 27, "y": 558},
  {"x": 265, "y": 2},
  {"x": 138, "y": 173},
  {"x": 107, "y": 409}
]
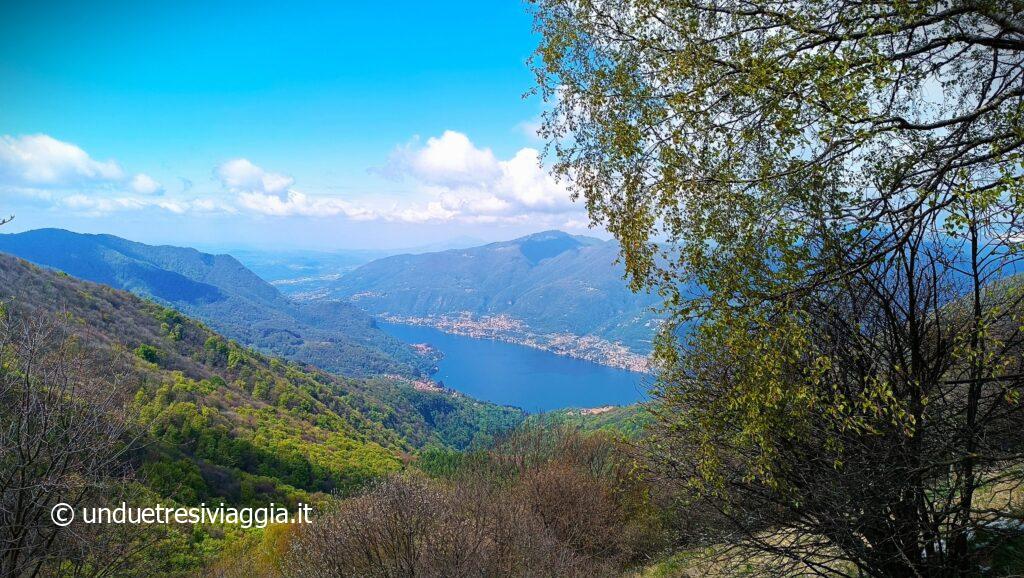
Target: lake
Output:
[{"x": 533, "y": 379}]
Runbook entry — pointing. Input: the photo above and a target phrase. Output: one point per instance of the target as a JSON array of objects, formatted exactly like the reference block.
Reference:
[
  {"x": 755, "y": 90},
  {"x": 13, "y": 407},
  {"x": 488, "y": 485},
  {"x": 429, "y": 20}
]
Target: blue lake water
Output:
[{"x": 510, "y": 374}]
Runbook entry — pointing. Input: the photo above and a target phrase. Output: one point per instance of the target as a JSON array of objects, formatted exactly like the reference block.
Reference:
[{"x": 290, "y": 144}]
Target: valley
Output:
[
  {"x": 522, "y": 354},
  {"x": 231, "y": 298}
]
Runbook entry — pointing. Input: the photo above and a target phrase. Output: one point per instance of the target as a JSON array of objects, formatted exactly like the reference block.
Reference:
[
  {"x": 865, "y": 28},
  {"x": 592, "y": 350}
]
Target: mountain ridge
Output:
[
  {"x": 552, "y": 282},
  {"x": 224, "y": 293},
  {"x": 392, "y": 411}
]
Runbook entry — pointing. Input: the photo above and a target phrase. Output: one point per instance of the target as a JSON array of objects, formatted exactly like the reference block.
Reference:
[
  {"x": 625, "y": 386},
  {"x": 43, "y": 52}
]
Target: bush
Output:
[
  {"x": 410, "y": 526},
  {"x": 541, "y": 503},
  {"x": 148, "y": 353}
]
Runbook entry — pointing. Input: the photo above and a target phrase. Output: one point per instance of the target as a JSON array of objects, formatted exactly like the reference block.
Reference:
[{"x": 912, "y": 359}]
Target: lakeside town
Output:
[{"x": 512, "y": 330}]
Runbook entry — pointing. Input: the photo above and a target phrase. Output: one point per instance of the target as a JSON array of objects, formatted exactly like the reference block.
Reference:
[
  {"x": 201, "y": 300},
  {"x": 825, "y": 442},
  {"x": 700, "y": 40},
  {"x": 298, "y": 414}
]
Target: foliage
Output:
[
  {"x": 440, "y": 462},
  {"x": 824, "y": 193},
  {"x": 148, "y": 353},
  {"x": 630, "y": 421},
  {"x": 542, "y": 502},
  {"x": 217, "y": 422},
  {"x": 446, "y": 418}
]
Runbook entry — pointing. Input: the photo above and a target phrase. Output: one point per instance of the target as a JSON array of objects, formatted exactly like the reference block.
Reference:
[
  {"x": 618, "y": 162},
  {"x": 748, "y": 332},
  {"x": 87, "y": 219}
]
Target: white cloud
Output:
[
  {"x": 145, "y": 185},
  {"x": 449, "y": 160},
  {"x": 583, "y": 224},
  {"x": 240, "y": 175},
  {"x": 267, "y": 193},
  {"x": 61, "y": 173},
  {"x": 98, "y": 205},
  {"x": 43, "y": 168},
  {"x": 526, "y": 183},
  {"x": 472, "y": 184},
  {"x": 433, "y": 211},
  {"x": 102, "y": 205},
  {"x": 296, "y": 203},
  {"x": 209, "y": 205},
  {"x": 41, "y": 160},
  {"x": 453, "y": 180}
]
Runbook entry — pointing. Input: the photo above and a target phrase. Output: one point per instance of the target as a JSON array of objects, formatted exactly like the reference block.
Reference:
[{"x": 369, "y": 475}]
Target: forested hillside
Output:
[
  {"x": 228, "y": 414},
  {"x": 230, "y": 298},
  {"x": 552, "y": 282},
  {"x": 179, "y": 415}
]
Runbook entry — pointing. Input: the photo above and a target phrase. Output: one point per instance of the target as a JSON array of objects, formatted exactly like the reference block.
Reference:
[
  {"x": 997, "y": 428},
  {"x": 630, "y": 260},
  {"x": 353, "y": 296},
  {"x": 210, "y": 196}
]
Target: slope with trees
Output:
[
  {"x": 549, "y": 283},
  {"x": 108, "y": 396},
  {"x": 222, "y": 292}
]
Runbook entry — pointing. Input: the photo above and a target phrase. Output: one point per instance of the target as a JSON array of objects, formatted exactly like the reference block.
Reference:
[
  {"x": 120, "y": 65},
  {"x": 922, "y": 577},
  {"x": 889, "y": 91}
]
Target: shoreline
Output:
[{"x": 509, "y": 330}]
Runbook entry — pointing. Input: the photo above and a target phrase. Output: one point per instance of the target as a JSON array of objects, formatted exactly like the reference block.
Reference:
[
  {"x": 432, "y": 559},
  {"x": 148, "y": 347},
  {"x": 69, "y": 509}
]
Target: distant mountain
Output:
[
  {"x": 229, "y": 297},
  {"x": 552, "y": 282},
  {"x": 296, "y": 264},
  {"x": 458, "y": 242}
]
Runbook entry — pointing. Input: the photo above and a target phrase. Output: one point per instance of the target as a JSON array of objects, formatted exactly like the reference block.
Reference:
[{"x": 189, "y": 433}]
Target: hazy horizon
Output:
[{"x": 442, "y": 243}]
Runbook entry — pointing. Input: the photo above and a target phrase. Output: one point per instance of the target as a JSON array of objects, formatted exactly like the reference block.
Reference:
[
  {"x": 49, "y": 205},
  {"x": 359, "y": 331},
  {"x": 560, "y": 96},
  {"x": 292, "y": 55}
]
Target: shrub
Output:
[
  {"x": 410, "y": 525},
  {"x": 148, "y": 353},
  {"x": 541, "y": 503}
]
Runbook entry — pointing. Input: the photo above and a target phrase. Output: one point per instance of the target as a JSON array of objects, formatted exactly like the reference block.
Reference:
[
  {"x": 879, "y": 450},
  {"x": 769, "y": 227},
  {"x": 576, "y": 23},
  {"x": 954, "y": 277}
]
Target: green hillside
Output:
[
  {"x": 230, "y": 298},
  {"x": 551, "y": 281},
  {"x": 212, "y": 421},
  {"x": 216, "y": 403},
  {"x": 628, "y": 420}
]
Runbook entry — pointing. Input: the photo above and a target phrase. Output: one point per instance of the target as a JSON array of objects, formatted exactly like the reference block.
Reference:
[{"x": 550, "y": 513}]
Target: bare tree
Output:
[
  {"x": 64, "y": 434},
  {"x": 411, "y": 526}
]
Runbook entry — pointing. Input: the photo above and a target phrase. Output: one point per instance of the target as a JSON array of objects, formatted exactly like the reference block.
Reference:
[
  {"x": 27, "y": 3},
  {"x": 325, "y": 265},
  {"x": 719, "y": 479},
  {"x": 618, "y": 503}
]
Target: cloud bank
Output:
[
  {"x": 450, "y": 179},
  {"x": 40, "y": 161}
]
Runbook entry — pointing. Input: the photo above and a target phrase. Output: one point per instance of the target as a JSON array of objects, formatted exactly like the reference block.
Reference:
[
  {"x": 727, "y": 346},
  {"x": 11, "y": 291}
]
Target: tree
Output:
[
  {"x": 63, "y": 439},
  {"x": 828, "y": 196}
]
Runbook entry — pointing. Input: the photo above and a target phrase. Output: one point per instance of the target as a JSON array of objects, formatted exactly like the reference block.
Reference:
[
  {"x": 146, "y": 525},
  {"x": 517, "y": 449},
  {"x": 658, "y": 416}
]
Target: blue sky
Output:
[{"x": 316, "y": 125}]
